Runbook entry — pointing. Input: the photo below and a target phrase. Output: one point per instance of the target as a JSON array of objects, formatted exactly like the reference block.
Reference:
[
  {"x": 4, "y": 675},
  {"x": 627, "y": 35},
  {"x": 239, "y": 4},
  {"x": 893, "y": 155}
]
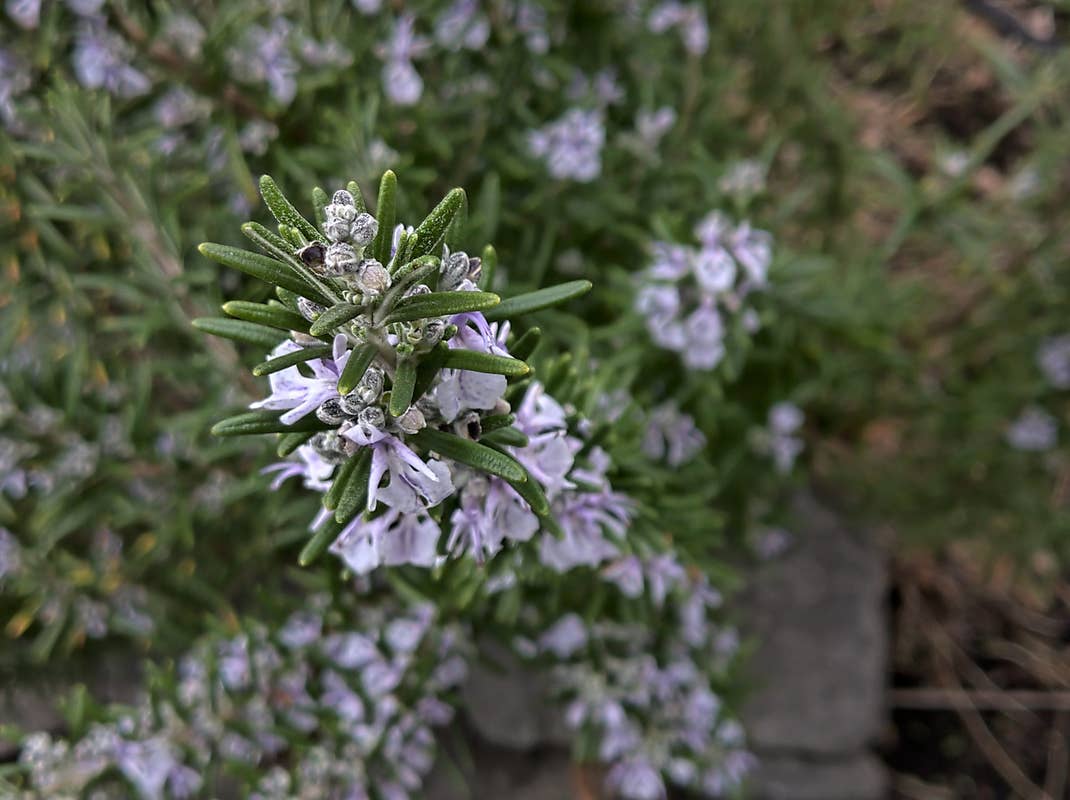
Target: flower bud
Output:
[
  {"x": 340, "y": 259},
  {"x": 420, "y": 288},
  {"x": 371, "y": 422},
  {"x": 363, "y": 229},
  {"x": 453, "y": 272},
  {"x": 373, "y": 278},
  {"x": 331, "y": 412},
  {"x": 342, "y": 198},
  {"x": 311, "y": 256},
  {"x": 412, "y": 421},
  {"x": 432, "y": 331},
  {"x": 370, "y": 388},
  {"x": 308, "y": 309}
]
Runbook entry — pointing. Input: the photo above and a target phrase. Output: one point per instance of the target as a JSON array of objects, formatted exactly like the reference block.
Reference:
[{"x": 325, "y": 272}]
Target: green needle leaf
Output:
[
  {"x": 440, "y": 304},
  {"x": 273, "y": 316},
  {"x": 404, "y": 384},
  {"x": 264, "y": 421},
  {"x": 433, "y": 229},
  {"x": 355, "y": 493},
  {"x": 263, "y": 267},
  {"x": 530, "y": 490},
  {"x": 523, "y": 347},
  {"x": 538, "y": 300},
  {"x": 338, "y": 483},
  {"x": 473, "y": 454},
  {"x": 474, "y": 361},
  {"x": 429, "y": 367},
  {"x": 239, "y": 331},
  {"x": 288, "y": 442},
  {"x": 290, "y": 359},
  {"x": 496, "y": 421},
  {"x": 358, "y": 196},
  {"x": 385, "y": 214},
  {"x": 508, "y": 437},
  {"x": 320, "y": 541},
  {"x": 283, "y": 210},
  {"x": 487, "y": 266},
  {"x": 319, "y": 202},
  {"x": 336, "y": 315},
  {"x": 358, "y": 363}
]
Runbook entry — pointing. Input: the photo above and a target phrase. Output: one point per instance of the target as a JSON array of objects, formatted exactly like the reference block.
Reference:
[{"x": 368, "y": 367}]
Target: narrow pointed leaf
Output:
[
  {"x": 430, "y": 364},
  {"x": 532, "y": 492},
  {"x": 239, "y": 331},
  {"x": 319, "y": 203},
  {"x": 338, "y": 314},
  {"x": 409, "y": 275},
  {"x": 263, "y": 267},
  {"x": 487, "y": 266},
  {"x": 496, "y": 421},
  {"x": 404, "y": 384},
  {"x": 454, "y": 237},
  {"x": 358, "y": 196},
  {"x": 536, "y": 301},
  {"x": 474, "y": 361},
  {"x": 273, "y": 316},
  {"x": 288, "y": 442},
  {"x": 283, "y": 210},
  {"x": 264, "y": 421},
  {"x": 338, "y": 483},
  {"x": 321, "y": 540},
  {"x": 523, "y": 347},
  {"x": 441, "y": 304},
  {"x": 473, "y": 454},
  {"x": 433, "y": 229},
  {"x": 290, "y": 359},
  {"x": 506, "y": 437},
  {"x": 355, "y": 494},
  {"x": 385, "y": 211},
  {"x": 359, "y": 361}
]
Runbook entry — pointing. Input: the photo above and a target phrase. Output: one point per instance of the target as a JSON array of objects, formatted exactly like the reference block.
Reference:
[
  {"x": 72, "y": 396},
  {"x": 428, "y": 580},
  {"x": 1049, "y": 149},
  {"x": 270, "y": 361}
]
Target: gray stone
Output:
[
  {"x": 508, "y": 704},
  {"x": 817, "y": 616},
  {"x": 861, "y": 777},
  {"x": 495, "y": 773}
]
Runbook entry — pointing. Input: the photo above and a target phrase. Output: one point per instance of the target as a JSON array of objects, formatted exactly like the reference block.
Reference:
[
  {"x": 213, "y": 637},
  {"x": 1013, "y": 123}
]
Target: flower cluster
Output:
[
  {"x": 642, "y": 698},
  {"x": 686, "y": 292},
  {"x": 672, "y": 436},
  {"x": 571, "y": 147},
  {"x": 780, "y": 439},
  {"x": 362, "y": 700},
  {"x": 687, "y": 19},
  {"x": 410, "y": 405},
  {"x": 1034, "y": 430}
]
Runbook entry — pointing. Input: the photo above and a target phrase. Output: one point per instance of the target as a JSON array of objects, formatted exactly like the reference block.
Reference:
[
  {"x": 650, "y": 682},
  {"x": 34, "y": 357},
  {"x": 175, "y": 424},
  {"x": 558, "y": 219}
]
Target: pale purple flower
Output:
[
  {"x": 179, "y": 106},
  {"x": 753, "y": 249},
  {"x": 146, "y": 765},
  {"x": 458, "y": 391},
  {"x": 672, "y": 435},
  {"x": 462, "y": 26},
  {"x": 651, "y": 126},
  {"x": 302, "y": 629},
  {"x": 185, "y": 33},
  {"x": 24, "y": 13},
  {"x": 413, "y": 484},
  {"x": 743, "y": 178},
  {"x": 785, "y": 418},
  {"x": 85, "y": 8},
  {"x": 627, "y": 574},
  {"x": 490, "y": 512},
  {"x": 584, "y": 518},
  {"x": 308, "y": 464},
  {"x": 713, "y": 229},
  {"x": 292, "y": 390},
  {"x": 350, "y": 650},
  {"x": 401, "y": 82},
  {"x": 715, "y": 270},
  {"x": 550, "y": 452},
  {"x": 183, "y": 782},
  {"x": 1053, "y": 358},
  {"x": 368, "y": 7},
  {"x": 1034, "y": 430},
  {"x": 689, "y": 20},
  {"x": 530, "y": 21},
  {"x": 635, "y": 780},
  {"x": 663, "y": 573},
  {"x": 670, "y": 262},
  {"x": 571, "y": 147},
  {"x": 565, "y": 637},
  {"x": 255, "y": 136},
  {"x": 391, "y": 539},
  {"x": 101, "y": 60},
  {"x": 264, "y": 57},
  {"x": 705, "y": 338}
]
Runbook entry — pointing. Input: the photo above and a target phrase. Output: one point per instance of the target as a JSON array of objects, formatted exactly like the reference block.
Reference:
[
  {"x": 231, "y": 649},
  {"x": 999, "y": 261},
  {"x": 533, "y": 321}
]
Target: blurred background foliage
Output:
[{"x": 914, "y": 173}]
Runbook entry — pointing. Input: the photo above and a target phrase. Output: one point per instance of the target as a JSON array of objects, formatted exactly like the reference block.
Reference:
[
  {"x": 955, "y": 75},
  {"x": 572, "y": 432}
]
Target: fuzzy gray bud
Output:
[
  {"x": 308, "y": 309},
  {"x": 370, "y": 387},
  {"x": 454, "y": 271},
  {"x": 373, "y": 278},
  {"x": 340, "y": 259},
  {"x": 331, "y": 412},
  {"x": 371, "y": 420},
  {"x": 420, "y": 288},
  {"x": 432, "y": 331},
  {"x": 363, "y": 229},
  {"x": 412, "y": 421}
]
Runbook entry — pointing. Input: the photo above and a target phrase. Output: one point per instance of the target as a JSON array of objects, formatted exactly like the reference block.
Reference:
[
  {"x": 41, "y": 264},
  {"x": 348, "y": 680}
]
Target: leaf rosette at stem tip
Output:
[{"x": 393, "y": 384}]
